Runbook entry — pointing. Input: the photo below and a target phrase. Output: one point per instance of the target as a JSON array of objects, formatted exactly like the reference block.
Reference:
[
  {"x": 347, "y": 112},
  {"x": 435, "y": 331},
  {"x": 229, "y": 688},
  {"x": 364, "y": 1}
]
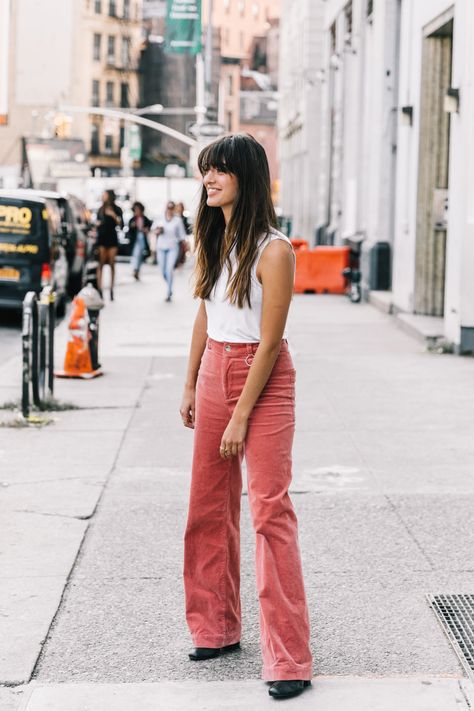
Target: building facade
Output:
[
  {"x": 300, "y": 115},
  {"x": 239, "y": 22},
  {"x": 92, "y": 61},
  {"x": 434, "y": 210},
  {"x": 359, "y": 136},
  {"x": 393, "y": 149}
]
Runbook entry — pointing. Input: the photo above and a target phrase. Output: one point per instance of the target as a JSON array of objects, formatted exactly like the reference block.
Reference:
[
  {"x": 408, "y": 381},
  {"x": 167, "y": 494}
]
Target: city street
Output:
[{"x": 94, "y": 505}]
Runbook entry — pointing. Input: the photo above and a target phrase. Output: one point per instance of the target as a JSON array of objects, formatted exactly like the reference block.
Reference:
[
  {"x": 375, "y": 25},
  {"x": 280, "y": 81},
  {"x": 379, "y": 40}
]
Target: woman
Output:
[
  {"x": 170, "y": 232},
  {"x": 239, "y": 398},
  {"x": 184, "y": 244},
  {"x": 109, "y": 218},
  {"x": 180, "y": 211},
  {"x": 138, "y": 229}
]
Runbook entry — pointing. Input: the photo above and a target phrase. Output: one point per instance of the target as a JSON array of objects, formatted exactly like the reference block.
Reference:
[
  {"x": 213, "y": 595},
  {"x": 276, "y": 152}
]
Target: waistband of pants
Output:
[{"x": 229, "y": 349}]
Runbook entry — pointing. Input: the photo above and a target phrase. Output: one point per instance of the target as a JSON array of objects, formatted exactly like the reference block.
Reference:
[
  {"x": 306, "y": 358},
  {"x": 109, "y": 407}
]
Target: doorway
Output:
[{"x": 433, "y": 168}]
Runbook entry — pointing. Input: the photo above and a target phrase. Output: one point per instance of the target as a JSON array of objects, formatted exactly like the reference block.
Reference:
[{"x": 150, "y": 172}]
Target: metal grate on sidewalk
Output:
[{"x": 456, "y": 615}]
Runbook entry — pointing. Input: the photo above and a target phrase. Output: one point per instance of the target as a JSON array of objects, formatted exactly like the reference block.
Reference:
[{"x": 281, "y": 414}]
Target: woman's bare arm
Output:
[
  {"x": 276, "y": 272},
  {"x": 198, "y": 344}
]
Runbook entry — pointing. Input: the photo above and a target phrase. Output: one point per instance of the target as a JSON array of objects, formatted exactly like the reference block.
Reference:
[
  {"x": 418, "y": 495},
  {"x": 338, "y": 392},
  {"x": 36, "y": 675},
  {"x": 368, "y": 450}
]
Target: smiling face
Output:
[{"x": 221, "y": 189}]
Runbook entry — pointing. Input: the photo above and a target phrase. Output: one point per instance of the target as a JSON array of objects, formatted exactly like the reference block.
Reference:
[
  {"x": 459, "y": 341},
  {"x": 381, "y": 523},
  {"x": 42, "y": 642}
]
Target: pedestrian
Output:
[
  {"x": 181, "y": 212},
  {"x": 184, "y": 244},
  {"x": 170, "y": 231},
  {"x": 138, "y": 229},
  {"x": 239, "y": 397},
  {"x": 109, "y": 218}
]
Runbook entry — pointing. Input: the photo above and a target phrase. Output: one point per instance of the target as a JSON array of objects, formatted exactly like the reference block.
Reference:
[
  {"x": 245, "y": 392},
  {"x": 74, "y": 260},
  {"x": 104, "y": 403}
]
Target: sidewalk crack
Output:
[{"x": 54, "y": 515}]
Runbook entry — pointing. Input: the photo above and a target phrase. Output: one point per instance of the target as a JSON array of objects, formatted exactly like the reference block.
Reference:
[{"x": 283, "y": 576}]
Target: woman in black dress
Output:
[{"x": 109, "y": 218}]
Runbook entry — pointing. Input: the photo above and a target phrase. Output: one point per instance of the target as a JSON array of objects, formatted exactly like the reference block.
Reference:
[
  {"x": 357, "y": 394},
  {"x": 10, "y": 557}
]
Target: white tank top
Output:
[{"x": 225, "y": 321}]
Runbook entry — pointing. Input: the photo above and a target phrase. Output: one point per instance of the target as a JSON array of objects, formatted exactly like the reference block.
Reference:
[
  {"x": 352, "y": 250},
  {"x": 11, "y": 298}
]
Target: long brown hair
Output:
[{"x": 253, "y": 215}]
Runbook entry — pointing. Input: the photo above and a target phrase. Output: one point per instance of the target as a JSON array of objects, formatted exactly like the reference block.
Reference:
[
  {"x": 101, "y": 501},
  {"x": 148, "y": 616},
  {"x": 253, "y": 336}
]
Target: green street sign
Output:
[
  {"x": 183, "y": 26},
  {"x": 134, "y": 142}
]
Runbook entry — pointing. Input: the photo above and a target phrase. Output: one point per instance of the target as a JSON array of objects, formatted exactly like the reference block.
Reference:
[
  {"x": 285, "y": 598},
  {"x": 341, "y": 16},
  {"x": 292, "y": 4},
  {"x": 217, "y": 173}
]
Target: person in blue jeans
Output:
[
  {"x": 138, "y": 229},
  {"x": 171, "y": 233}
]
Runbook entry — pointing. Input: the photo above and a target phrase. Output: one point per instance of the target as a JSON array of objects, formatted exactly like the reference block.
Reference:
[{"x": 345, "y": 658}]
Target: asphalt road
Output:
[{"x": 10, "y": 334}]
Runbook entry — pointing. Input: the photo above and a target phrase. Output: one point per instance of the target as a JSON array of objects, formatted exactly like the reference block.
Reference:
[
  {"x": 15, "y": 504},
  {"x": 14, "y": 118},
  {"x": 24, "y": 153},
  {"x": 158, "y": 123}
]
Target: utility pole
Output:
[{"x": 208, "y": 55}]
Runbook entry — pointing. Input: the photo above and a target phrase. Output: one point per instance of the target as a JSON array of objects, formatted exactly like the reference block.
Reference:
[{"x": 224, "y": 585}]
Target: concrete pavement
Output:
[{"x": 94, "y": 509}]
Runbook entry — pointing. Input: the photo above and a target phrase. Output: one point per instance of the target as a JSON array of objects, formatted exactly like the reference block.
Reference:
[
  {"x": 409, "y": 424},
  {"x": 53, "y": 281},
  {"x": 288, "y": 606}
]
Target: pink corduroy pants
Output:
[{"x": 212, "y": 539}]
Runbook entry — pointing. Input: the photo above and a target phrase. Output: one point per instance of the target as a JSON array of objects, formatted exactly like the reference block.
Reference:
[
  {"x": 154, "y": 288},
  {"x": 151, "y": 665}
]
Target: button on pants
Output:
[{"x": 212, "y": 538}]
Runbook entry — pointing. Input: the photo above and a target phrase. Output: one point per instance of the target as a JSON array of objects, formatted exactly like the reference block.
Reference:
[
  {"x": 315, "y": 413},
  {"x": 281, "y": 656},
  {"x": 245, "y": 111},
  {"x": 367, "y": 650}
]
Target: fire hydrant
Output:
[{"x": 94, "y": 303}]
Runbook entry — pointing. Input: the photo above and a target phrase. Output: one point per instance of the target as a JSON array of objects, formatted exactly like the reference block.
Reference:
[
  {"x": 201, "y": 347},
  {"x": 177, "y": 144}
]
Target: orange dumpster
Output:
[
  {"x": 319, "y": 270},
  {"x": 299, "y": 244}
]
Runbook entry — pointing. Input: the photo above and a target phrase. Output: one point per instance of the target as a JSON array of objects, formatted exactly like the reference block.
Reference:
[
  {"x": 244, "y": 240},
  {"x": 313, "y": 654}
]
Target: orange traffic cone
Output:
[{"x": 77, "y": 362}]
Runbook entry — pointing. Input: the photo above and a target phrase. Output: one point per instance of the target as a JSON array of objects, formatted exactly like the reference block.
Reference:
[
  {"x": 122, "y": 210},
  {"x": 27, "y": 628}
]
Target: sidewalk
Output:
[{"x": 93, "y": 509}]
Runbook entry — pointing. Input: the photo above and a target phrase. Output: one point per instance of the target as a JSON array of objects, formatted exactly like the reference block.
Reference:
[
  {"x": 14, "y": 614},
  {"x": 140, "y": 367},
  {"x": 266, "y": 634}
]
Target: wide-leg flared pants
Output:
[{"x": 212, "y": 539}]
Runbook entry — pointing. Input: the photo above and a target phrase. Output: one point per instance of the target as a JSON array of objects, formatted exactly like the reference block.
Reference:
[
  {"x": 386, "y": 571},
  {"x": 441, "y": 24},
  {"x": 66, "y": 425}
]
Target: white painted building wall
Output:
[
  {"x": 459, "y": 290},
  {"x": 360, "y": 87},
  {"x": 299, "y": 118}
]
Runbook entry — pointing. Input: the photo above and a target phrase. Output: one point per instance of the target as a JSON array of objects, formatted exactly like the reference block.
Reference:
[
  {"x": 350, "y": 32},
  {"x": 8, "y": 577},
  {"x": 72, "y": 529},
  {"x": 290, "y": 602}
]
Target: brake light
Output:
[{"x": 46, "y": 274}]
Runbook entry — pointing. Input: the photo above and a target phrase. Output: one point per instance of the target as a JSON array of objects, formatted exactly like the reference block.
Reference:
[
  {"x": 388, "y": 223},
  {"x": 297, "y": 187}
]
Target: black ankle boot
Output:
[
  {"x": 287, "y": 689},
  {"x": 200, "y": 654}
]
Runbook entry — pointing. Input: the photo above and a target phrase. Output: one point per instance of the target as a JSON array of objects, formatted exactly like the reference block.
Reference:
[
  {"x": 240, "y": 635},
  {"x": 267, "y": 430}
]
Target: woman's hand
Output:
[
  {"x": 187, "y": 409},
  {"x": 233, "y": 439}
]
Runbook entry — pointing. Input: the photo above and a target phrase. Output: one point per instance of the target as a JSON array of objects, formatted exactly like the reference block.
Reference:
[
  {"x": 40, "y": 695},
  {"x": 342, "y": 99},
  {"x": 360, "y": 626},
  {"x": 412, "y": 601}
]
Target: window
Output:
[
  {"x": 95, "y": 149},
  {"x": 242, "y": 7},
  {"x": 255, "y": 9},
  {"x": 241, "y": 40},
  {"x": 98, "y": 7},
  {"x": 370, "y": 8},
  {"x": 109, "y": 144},
  {"x": 125, "y": 51},
  {"x": 332, "y": 33},
  {"x": 126, "y": 9},
  {"x": 96, "y": 51},
  {"x": 112, "y": 8},
  {"x": 111, "y": 50},
  {"x": 95, "y": 93},
  {"x": 122, "y": 136},
  {"x": 109, "y": 93},
  {"x": 227, "y": 5},
  {"x": 348, "y": 22},
  {"x": 230, "y": 84},
  {"x": 124, "y": 101}
]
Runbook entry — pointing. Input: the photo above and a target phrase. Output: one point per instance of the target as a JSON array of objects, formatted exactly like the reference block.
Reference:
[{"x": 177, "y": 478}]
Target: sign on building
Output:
[{"x": 183, "y": 26}]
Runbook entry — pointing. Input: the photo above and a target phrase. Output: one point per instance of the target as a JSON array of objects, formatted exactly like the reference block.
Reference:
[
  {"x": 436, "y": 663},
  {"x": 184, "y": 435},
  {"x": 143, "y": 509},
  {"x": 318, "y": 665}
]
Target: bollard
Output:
[
  {"x": 37, "y": 336},
  {"x": 47, "y": 318},
  {"x": 29, "y": 340}
]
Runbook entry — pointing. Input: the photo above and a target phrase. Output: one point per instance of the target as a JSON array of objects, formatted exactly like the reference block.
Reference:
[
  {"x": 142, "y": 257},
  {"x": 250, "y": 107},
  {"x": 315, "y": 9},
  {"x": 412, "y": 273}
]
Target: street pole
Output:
[
  {"x": 200, "y": 107},
  {"x": 131, "y": 118},
  {"x": 208, "y": 55}
]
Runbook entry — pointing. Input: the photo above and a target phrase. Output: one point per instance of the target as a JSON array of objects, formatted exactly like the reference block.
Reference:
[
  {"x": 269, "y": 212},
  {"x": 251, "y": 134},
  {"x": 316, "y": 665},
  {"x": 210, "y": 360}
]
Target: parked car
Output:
[
  {"x": 75, "y": 226},
  {"x": 32, "y": 249}
]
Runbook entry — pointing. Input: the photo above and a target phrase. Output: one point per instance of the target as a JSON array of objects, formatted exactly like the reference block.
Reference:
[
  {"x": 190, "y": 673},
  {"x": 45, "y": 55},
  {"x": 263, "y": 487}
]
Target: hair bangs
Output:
[{"x": 219, "y": 155}]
